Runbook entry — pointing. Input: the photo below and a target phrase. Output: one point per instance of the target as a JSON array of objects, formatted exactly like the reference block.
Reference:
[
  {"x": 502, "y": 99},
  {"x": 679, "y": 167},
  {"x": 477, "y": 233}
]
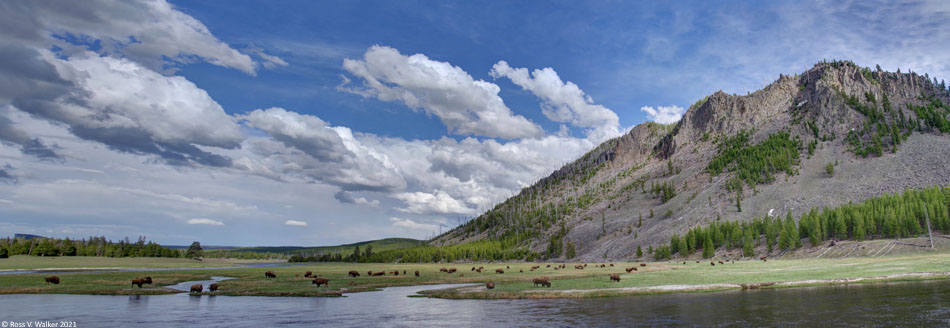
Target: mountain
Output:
[
  {"x": 378, "y": 245},
  {"x": 834, "y": 134}
]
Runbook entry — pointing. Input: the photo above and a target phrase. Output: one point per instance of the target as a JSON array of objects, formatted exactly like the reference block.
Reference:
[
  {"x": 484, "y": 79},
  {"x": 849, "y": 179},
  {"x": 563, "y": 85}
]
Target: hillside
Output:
[
  {"x": 377, "y": 246},
  {"x": 835, "y": 134}
]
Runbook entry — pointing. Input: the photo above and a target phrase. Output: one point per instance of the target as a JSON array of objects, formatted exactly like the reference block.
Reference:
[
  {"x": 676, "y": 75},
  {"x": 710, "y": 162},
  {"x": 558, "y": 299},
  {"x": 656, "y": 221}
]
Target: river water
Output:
[{"x": 903, "y": 304}]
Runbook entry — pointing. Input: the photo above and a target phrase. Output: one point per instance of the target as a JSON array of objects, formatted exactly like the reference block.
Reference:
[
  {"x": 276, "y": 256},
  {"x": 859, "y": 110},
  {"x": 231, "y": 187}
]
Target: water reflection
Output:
[{"x": 893, "y": 304}]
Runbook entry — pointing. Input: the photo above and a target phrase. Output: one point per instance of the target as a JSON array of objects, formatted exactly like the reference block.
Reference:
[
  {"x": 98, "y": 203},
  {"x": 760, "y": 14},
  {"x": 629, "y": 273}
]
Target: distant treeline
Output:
[
  {"x": 888, "y": 216},
  {"x": 94, "y": 246},
  {"x": 482, "y": 250},
  {"x": 244, "y": 255}
]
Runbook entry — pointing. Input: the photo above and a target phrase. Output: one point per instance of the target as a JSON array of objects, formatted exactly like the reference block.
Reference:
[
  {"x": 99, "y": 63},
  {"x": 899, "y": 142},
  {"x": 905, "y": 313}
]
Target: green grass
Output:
[
  {"x": 24, "y": 262},
  {"x": 590, "y": 282}
]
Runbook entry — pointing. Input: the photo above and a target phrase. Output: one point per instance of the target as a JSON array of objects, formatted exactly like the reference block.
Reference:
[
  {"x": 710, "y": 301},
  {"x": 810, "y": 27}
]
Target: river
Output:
[{"x": 924, "y": 303}]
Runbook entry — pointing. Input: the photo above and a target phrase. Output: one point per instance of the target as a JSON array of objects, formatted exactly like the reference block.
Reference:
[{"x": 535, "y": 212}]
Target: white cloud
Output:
[
  {"x": 205, "y": 221},
  {"x": 437, "y": 202},
  {"x": 412, "y": 225},
  {"x": 347, "y": 197},
  {"x": 466, "y": 106},
  {"x": 151, "y": 32},
  {"x": 295, "y": 223},
  {"x": 664, "y": 114},
  {"x": 562, "y": 102}
]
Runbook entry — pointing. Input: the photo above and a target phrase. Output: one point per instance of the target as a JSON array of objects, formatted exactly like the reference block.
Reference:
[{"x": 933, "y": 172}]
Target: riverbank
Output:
[{"x": 514, "y": 283}]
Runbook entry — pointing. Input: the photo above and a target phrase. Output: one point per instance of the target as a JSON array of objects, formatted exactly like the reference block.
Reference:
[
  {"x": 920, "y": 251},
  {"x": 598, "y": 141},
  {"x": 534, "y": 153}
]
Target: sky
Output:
[{"x": 311, "y": 123}]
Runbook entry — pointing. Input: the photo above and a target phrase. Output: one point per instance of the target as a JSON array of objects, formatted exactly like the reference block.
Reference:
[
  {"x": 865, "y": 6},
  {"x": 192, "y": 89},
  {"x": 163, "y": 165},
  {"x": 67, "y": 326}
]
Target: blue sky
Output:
[{"x": 315, "y": 123}]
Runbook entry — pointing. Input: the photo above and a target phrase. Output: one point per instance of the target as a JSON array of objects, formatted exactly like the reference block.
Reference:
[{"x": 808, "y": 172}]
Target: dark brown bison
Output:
[
  {"x": 473, "y": 269},
  {"x": 643, "y": 264},
  {"x": 354, "y": 273},
  {"x": 443, "y": 270},
  {"x": 480, "y": 268},
  {"x": 308, "y": 274},
  {"x": 369, "y": 273},
  {"x": 548, "y": 266},
  {"x": 138, "y": 281},
  {"x": 508, "y": 267},
  {"x": 213, "y": 287},
  {"x": 52, "y": 279},
  {"x": 196, "y": 288},
  {"x": 712, "y": 263},
  {"x": 611, "y": 265},
  {"x": 417, "y": 273},
  {"x": 270, "y": 274},
  {"x": 321, "y": 281},
  {"x": 543, "y": 281},
  {"x": 521, "y": 270},
  {"x": 538, "y": 267},
  {"x": 603, "y": 266},
  {"x": 762, "y": 258},
  {"x": 452, "y": 270},
  {"x": 403, "y": 272},
  {"x": 490, "y": 285},
  {"x": 395, "y": 272},
  {"x": 630, "y": 269},
  {"x": 720, "y": 262},
  {"x": 614, "y": 277},
  {"x": 381, "y": 273},
  {"x": 499, "y": 271}
]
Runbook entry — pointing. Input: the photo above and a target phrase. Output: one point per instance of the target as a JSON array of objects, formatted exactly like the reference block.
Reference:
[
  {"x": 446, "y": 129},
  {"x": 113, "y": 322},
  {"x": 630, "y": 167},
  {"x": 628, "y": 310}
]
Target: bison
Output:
[
  {"x": 499, "y": 271},
  {"x": 308, "y": 274},
  {"x": 720, "y": 262},
  {"x": 479, "y": 270},
  {"x": 369, "y": 273},
  {"x": 452, "y": 270},
  {"x": 521, "y": 270},
  {"x": 395, "y": 272},
  {"x": 611, "y": 265},
  {"x": 548, "y": 266},
  {"x": 213, "y": 287},
  {"x": 538, "y": 267},
  {"x": 270, "y": 274},
  {"x": 490, "y": 285},
  {"x": 508, "y": 267},
  {"x": 417, "y": 273},
  {"x": 138, "y": 281},
  {"x": 614, "y": 277},
  {"x": 196, "y": 288},
  {"x": 377, "y": 274},
  {"x": 473, "y": 269},
  {"x": 712, "y": 263},
  {"x": 643, "y": 264},
  {"x": 443, "y": 270},
  {"x": 543, "y": 281},
  {"x": 630, "y": 269},
  {"x": 321, "y": 281},
  {"x": 52, "y": 279},
  {"x": 354, "y": 273},
  {"x": 603, "y": 266}
]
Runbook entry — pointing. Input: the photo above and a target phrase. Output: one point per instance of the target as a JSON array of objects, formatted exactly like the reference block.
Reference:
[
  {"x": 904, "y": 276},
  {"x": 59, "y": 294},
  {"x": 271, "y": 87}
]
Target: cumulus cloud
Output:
[
  {"x": 466, "y": 106},
  {"x": 437, "y": 202},
  {"x": 412, "y": 225},
  {"x": 664, "y": 114},
  {"x": 347, "y": 197},
  {"x": 150, "y": 32},
  {"x": 133, "y": 109},
  {"x": 295, "y": 223},
  {"x": 561, "y": 101},
  {"x": 205, "y": 221}
]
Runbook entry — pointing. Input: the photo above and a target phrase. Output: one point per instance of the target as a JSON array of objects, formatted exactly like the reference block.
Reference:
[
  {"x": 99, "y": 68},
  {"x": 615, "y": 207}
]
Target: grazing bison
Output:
[
  {"x": 762, "y": 258},
  {"x": 321, "y": 281},
  {"x": 270, "y": 274},
  {"x": 354, "y": 273},
  {"x": 308, "y": 274},
  {"x": 712, "y": 263},
  {"x": 614, "y": 277},
  {"x": 403, "y": 272},
  {"x": 452, "y": 270},
  {"x": 443, "y": 270},
  {"x": 543, "y": 281},
  {"x": 611, "y": 265},
  {"x": 548, "y": 266},
  {"x": 508, "y": 267},
  {"x": 52, "y": 279},
  {"x": 138, "y": 281},
  {"x": 395, "y": 272},
  {"x": 603, "y": 266},
  {"x": 499, "y": 271},
  {"x": 369, "y": 273},
  {"x": 490, "y": 285},
  {"x": 643, "y": 264},
  {"x": 381, "y": 273},
  {"x": 720, "y": 262},
  {"x": 473, "y": 269},
  {"x": 538, "y": 267},
  {"x": 417, "y": 273},
  {"x": 213, "y": 287},
  {"x": 630, "y": 269},
  {"x": 479, "y": 270},
  {"x": 196, "y": 288},
  {"x": 521, "y": 270}
]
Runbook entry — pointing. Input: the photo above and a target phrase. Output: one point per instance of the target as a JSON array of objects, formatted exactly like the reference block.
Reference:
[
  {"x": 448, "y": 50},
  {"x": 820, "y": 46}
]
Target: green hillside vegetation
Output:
[
  {"x": 315, "y": 254},
  {"x": 889, "y": 216},
  {"x": 94, "y": 246}
]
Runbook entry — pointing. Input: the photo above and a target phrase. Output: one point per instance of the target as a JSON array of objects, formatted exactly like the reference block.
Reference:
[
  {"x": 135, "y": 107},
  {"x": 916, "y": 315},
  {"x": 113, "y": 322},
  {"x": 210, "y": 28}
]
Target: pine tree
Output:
[
  {"x": 682, "y": 247},
  {"x": 639, "y": 252},
  {"x": 571, "y": 252},
  {"x": 708, "y": 250},
  {"x": 194, "y": 251}
]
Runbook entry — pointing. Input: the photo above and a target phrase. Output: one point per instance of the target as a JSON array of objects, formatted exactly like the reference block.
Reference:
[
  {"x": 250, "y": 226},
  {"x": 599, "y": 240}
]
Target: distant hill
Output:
[
  {"x": 378, "y": 245},
  {"x": 26, "y": 236}
]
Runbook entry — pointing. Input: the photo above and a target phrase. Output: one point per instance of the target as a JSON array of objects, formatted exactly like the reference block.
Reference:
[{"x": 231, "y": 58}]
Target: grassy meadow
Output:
[{"x": 655, "y": 277}]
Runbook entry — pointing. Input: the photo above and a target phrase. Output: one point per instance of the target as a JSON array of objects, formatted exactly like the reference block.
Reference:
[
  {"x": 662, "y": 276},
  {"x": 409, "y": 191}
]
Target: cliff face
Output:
[{"x": 877, "y": 128}]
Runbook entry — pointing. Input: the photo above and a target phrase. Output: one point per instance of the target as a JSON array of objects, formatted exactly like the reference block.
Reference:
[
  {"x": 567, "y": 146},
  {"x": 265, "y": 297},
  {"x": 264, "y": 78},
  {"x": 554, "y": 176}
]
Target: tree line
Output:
[
  {"x": 908, "y": 214},
  {"x": 93, "y": 246}
]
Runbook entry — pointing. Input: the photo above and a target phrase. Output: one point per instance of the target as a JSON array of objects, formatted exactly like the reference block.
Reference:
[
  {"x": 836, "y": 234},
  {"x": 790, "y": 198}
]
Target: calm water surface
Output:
[{"x": 924, "y": 304}]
